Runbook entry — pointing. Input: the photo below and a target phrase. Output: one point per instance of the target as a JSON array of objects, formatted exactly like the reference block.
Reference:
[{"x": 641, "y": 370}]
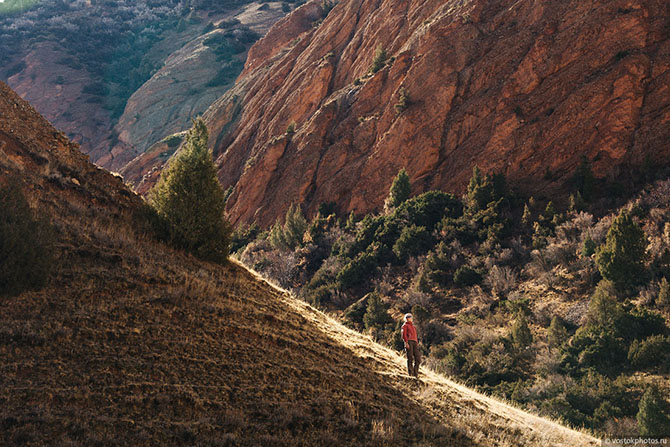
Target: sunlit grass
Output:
[{"x": 16, "y": 6}]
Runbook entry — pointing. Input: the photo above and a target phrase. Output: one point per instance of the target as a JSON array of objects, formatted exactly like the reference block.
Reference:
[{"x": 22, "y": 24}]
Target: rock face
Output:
[
  {"x": 525, "y": 88},
  {"x": 59, "y": 85},
  {"x": 179, "y": 91}
]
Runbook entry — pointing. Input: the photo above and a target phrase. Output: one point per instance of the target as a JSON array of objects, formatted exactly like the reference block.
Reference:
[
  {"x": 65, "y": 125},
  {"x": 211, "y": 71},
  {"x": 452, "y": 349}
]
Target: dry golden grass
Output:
[{"x": 133, "y": 343}]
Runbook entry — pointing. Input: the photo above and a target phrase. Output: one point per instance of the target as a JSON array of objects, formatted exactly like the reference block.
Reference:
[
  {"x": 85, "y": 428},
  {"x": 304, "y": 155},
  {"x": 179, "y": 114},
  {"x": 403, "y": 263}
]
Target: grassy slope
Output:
[{"x": 135, "y": 344}]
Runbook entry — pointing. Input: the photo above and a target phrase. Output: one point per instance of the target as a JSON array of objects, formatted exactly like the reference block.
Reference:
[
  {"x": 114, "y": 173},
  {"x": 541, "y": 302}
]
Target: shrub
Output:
[
  {"x": 399, "y": 191},
  {"x": 653, "y": 417},
  {"x": 379, "y": 61},
  {"x": 501, "y": 280},
  {"x": 26, "y": 243},
  {"x": 289, "y": 235},
  {"x": 621, "y": 259},
  {"x": 588, "y": 247},
  {"x": 651, "y": 352},
  {"x": 317, "y": 296},
  {"x": 520, "y": 333},
  {"x": 557, "y": 334},
  {"x": 191, "y": 200},
  {"x": 439, "y": 264},
  {"x": 376, "y": 314},
  {"x": 428, "y": 209},
  {"x": 242, "y": 235},
  {"x": 599, "y": 348},
  {"x": 403, "y": 101},
  {"x": 359, "y": 269},
  {"x": 466, "y": 276},
  {"x": 413, "y": 241}
]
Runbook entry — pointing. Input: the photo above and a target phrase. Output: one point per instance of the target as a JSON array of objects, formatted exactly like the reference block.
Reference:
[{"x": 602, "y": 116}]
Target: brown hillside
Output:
[
  {"x": 135, "y": 344},
  {"x": 526, "y": 88}
]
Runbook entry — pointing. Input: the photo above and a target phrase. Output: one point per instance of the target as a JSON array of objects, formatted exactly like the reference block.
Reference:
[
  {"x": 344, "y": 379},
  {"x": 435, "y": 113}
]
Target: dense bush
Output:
[
  {"x": 26, "y": 243},
  {"x": 359, "y": 269},
  {"x": 653, "y": 352},
  {"x": 621, "y": 259},
  {"x": 399, "y": 191},
  {"x": 653, "y": 417},
  {"x": 376, "y": 314},
  {"x": 413, "y": 241},
  {"x": 289, "y": 235},
  {"x": 190, "y": 199},
  {"x": 466, "y": 276},
  {"x": 379, "y": 60}
]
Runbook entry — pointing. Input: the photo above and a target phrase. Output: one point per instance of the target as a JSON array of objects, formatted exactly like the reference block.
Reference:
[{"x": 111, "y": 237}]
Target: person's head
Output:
[{"x": 408, "y": 317}]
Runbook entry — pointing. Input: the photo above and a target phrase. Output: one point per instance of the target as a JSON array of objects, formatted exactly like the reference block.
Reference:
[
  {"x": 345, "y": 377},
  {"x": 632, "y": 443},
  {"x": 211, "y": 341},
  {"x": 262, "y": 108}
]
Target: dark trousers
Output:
[{"x": 413, "y": 358}]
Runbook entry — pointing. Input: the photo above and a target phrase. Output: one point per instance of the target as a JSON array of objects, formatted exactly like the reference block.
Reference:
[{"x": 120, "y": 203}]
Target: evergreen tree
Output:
[
  {"x": 621, "y": 259},
  {"x": 26, "y": 243},
  {"x": 379, "y": 60},
  {"x": 557, "y": 334},
  {"x": 376, "y": 315},
  {"x": 190, "y": 199},
  {"x": 604, "y": 310},
  {"x": 478, "y": 193},
  {"x": 521, "y": 335},
  {"x": 588, "y": 247},
  {"x": 289, "y": 235},
  {"x": 399, "y": 191},
  {"x": 653, "y": 418}
]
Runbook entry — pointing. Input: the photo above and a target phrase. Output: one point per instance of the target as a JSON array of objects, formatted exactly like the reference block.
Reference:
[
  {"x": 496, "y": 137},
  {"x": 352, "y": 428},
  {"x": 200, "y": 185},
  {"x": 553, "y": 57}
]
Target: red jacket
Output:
[{"x": 409, "y": 332}]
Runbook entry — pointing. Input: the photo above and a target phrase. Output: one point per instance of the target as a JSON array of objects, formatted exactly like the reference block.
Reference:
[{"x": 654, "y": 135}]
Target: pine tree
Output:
[
  {"x": 557, "y": 334},
  {"x": 376, "y": 315},
  {"x": 604, "y": 310},
  {"x": 621, "y": 259},
  {"x": 521, "y": 335},
  {"x": 289, "y": 235},
  {"x": 399, "y": 191},
  {"x": 190, "y": 199},
  {"x": 653, "y": 418},
  {"x": 26, "y": 243}
]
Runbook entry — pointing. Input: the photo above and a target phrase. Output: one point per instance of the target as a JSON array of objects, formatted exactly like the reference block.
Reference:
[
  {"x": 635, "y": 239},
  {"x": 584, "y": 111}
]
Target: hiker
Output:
[{"x": 411, "y": 346}]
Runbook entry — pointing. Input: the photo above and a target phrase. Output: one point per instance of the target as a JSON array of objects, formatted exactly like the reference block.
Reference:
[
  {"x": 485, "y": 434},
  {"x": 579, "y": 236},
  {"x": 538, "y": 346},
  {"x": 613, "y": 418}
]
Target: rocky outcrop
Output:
[
  {"x": 56, "y": 172},
  {"x": 180, "y": 91},
  {"x": 525, "y": 88},
  {"x": 59, "y": 85}
]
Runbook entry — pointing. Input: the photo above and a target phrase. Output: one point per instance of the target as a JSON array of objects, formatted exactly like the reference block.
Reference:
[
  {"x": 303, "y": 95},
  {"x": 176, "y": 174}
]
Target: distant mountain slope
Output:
[
  {"x": 84, "y": 65},
  {"x": 526, "y": 88},
  {"x": 133, "y": 343}
]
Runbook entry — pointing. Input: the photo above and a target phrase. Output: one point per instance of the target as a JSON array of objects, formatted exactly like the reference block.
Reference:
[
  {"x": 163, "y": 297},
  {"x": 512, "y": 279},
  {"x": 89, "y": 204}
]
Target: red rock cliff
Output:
[{"x": 513, "y": 86}]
